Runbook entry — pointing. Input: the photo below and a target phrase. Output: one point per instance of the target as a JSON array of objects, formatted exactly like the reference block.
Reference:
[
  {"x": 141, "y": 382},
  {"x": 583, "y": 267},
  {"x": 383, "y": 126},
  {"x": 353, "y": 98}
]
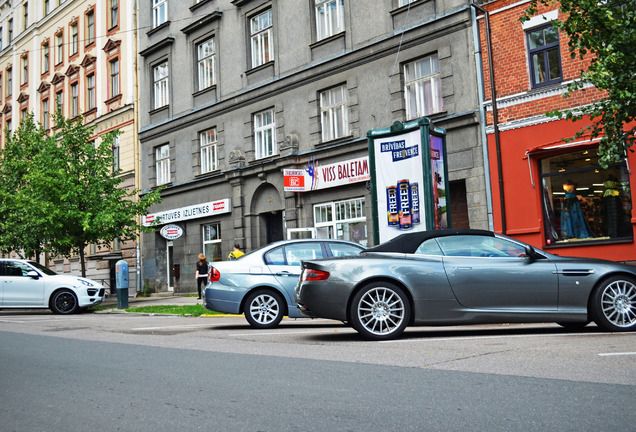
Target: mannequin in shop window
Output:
[
  {"x": 614, "y": 219},
  {"x": 572, "y": 219}
]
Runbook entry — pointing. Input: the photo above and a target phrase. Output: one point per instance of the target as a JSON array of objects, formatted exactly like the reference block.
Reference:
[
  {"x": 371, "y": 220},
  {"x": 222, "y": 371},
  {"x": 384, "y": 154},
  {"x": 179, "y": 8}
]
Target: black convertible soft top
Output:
[{"x": 409, "y": 242}]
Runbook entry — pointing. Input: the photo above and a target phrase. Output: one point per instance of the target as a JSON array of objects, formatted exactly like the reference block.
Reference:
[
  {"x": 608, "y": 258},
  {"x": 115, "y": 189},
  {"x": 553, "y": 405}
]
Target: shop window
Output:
[
  {"x": 584, "y": 202},
  {"x": 343, "y": 220},
  {"x": 212, "y": 242}
]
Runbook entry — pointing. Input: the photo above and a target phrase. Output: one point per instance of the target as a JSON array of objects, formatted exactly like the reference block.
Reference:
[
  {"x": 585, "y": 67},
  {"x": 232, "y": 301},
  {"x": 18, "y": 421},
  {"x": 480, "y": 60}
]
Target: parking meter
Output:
[{"x": 121, "y": 283}]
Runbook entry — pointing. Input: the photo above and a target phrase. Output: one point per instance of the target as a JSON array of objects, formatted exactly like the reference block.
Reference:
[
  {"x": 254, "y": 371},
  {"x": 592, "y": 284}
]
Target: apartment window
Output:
[
  {"x": 74, "y": 39},
  {"x": 114, "y": 77},
  {"x": 90, "y": 91},
  {"x": 422, "y": 87},
  {"x": 209, "y": 159},
  {"x": 162, "y": 160},
  {"x": 261, "y": 36},
  {"x": 582, "y": 201},
  {"x": 114, "y": 14},
  {"x": 545, "y": 56},
  {"x": 334, "y": 113},
  {"x": 1, "y": 33},
  {"x": 74, "y": 100},
  {"x": 45, "y": 57},
  {"x": 1, "y": 83},
  {"x": 45, "y": 114},
  {"x": 329, "y": 18},
  {"x": 59, "y": 48},
  {"x": 206, "y": 54},
  {"x": 116, "y": 164},
  {"x": 10, "y": 29},
  {"x": 9, "y": 82},
  {"x": 90, "y": 27},
  {"x": 47, "y": 7},
  {"x": 159, "y": 12},
  {"x": 23, "y": 114},
  {"x": 59, "y": 101},
  {"x": 25, "y": 14},
  {"x": 265, "y": 134},
  {"x": 160, "y": 74},
  {"x": 344, "y": 220},
  {"x": 212, "y": 242},
  {"x": 405, "y": 2},
  {"x": 24, "y": 60}
]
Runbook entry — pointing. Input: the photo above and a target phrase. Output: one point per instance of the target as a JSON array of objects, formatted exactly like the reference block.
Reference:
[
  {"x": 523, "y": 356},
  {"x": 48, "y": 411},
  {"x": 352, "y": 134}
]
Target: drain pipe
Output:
[{"x": 495, "y": 115}]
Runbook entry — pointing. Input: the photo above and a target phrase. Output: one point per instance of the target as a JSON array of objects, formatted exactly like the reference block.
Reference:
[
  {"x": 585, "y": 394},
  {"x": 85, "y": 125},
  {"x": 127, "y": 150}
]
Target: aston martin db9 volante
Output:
[
  {"x": 453, "y": 277},
  {"x": 26, "y": 284},
  {"x": 261, "y": 284}
]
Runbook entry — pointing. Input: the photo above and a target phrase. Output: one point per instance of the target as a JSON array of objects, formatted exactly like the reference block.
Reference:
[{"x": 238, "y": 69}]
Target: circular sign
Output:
[{"x": 171, "y": 232}]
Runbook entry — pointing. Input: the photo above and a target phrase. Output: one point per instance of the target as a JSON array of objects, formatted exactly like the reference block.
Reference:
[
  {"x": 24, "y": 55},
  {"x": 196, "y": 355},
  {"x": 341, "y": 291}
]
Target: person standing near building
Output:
[
  {"x": 201, "y": 274},
  {"x": 236, "y": 252}
]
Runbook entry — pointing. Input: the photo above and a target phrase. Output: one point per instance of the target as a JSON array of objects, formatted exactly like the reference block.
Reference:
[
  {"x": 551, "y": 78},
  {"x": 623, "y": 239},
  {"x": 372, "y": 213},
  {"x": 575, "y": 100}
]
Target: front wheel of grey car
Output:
[
  {"x": 613, "y": 304},
  {"x": 380, "y": 311},
  {"x": 264, "y": 309}
]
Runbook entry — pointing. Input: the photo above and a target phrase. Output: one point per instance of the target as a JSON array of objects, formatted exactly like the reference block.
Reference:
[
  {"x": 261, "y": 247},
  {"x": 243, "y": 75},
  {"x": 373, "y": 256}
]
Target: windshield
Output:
[{"x": 41, "y": 268}]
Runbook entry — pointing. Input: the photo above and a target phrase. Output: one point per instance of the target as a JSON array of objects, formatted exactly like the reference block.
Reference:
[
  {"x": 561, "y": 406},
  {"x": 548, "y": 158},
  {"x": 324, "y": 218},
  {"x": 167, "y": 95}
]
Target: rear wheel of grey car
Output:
[
  {"x": 264, "y": 309},
  {"x": 64, "y": 302},
  {"x": 380, "y": 311},
  {"x": 613, "y": 305}
]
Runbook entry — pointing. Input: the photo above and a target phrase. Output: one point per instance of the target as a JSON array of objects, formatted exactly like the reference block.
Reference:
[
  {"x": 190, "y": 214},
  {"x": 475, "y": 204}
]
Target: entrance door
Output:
[
  {"x": 274, "y": 226},
  {"x": 170, "y": 263}
]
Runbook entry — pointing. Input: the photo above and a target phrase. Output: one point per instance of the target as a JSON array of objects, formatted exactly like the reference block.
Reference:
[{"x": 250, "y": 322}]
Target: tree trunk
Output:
[{"x": 82, "y": 260}]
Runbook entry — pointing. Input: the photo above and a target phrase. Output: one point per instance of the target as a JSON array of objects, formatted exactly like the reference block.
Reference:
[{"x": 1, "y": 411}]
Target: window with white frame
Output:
[
  {"x": 74, "y": 100},
  {"x": 405, "y": 2},
  {"x": 159, "y": 12},
  {"x": 206, "y": 54},
  {"x": 162, "y": 161},
  {"x": 114, "y": 13},
  {"x": 45, "y": 57},
  {"x": 209, "y": 158},
  {"x": 212, "y": 242},
  {"x": 74, "y": 39},
  {"x": 265, "y": 134},
  {"x": 116, "y": 160},
  {"x": 45, "y": 114},
  {"x": 329, "y": 18},
  {"x": 344, "y": 220},
  {"x": 334, "y": 113},
  {"x": 90, "y": 92},
  {"x": 90, "y": 27},
  {"x": 160, "y": 74},
  {"x": 25, "y": 69},
  {"x": 59, "y": 48},
  {"x": 422, "y": 87},
  {"x": 261, "y": 38}
]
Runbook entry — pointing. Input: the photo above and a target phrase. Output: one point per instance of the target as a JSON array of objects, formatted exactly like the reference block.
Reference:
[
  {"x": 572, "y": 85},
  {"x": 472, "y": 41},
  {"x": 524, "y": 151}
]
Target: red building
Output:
[{"x": 547, "y": 192}]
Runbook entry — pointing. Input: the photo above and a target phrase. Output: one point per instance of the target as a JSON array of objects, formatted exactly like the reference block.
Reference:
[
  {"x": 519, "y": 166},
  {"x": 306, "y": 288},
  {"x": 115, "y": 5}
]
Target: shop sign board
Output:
[
  {"x": 171, "y": 232},
  {"x": 409, "y": 179},
  {"x": 206, "y": 209},
  {"x": 316, "y": 176}
]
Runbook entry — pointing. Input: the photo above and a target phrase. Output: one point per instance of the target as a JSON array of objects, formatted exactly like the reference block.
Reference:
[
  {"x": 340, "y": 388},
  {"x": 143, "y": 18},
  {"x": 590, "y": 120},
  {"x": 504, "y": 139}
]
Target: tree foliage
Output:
[
  {"x": 605, "y": 33},
  {"x": 62, "y": 193}
]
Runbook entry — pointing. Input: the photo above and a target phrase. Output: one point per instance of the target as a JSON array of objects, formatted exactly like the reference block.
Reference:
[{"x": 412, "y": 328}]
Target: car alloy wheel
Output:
[
  {"x": 614, "y": 304},
  {"x": 264, "y": 309},
  {"x": 380, "y": 311},
  {"x": 64, "y": 302}
]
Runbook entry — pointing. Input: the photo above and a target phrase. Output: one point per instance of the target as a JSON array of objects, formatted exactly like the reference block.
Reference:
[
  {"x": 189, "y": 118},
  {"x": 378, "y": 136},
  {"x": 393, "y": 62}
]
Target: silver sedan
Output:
[
  {"x": 452, "y": 277},
  {"x": 261, "y": 284}
]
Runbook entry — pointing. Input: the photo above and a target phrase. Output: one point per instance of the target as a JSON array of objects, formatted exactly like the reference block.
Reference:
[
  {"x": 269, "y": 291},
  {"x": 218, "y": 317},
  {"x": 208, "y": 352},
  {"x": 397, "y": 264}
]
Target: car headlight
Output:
[{"x": 86, "y": 282}]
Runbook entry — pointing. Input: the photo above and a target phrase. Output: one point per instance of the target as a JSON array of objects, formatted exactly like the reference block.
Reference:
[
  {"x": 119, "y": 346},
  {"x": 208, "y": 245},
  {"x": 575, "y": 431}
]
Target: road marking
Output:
[
  {"x": 170, "y": 327},
  {"x": 617, "y": 354},
  {"x": 280, "y": 333}
]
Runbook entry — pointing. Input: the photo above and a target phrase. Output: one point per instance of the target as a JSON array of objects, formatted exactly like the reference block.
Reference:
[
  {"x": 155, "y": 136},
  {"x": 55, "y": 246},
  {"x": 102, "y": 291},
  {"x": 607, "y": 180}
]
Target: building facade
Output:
[
  {"x": 81, "y": 56},
  {"x": 546, "y": 191},
  {"x": 233, "y": 93}
]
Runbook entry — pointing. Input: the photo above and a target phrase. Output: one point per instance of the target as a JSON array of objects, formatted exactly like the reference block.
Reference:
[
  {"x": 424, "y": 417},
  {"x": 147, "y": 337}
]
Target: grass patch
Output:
[{"x": 187, "y": 310}]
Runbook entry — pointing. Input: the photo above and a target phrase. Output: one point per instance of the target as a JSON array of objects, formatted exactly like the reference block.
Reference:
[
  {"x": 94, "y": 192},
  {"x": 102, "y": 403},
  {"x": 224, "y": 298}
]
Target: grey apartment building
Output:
[{"x": 236, "y": 94}]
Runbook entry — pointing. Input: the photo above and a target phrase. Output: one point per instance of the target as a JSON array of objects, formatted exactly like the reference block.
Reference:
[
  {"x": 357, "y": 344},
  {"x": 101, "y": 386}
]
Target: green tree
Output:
[
  {"x": 605, "y": 33},
  {"x": 79, "y": 199}
]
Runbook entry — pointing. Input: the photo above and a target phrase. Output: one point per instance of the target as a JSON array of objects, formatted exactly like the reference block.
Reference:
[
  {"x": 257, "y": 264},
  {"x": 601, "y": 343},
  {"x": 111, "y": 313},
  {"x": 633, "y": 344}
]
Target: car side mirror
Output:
[{"x": 33, "y": 274}]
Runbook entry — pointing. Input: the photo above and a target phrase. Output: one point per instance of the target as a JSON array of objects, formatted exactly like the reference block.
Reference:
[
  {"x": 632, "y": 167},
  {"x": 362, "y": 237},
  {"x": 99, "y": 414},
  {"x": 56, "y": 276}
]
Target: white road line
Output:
[
  {"x": 617, "y": 354},
  {"x": 171, "y": 327}
]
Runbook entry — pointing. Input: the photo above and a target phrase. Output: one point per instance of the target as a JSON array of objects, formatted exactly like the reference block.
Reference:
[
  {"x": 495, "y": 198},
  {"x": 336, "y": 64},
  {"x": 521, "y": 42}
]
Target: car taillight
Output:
[
  {"x": 214, "y": 275},
  {"x": 314, "y": 275}
]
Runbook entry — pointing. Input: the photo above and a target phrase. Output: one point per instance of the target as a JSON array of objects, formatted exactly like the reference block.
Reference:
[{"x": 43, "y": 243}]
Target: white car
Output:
[{"x": 26, "y": 284}]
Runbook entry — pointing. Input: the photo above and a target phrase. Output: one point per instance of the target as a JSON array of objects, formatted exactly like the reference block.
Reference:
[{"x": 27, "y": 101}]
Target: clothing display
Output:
[{"x": 572, "y": 218}]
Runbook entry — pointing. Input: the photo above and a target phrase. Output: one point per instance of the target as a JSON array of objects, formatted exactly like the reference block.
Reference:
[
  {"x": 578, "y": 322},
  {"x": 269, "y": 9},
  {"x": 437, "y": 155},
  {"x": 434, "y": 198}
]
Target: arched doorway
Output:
[{"x": 267, "y": 206}]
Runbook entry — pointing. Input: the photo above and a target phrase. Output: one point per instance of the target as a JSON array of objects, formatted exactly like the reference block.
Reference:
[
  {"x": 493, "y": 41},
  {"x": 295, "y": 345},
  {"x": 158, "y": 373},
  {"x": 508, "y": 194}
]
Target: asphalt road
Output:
[{"x": 156, "y": 373}]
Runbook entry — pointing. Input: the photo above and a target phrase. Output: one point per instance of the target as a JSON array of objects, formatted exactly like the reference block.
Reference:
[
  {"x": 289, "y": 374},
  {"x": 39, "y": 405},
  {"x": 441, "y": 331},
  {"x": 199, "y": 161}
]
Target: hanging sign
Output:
[
  {"x": 316, "y": 176},
  {"x": 189, "y": 212},
  {"x": 171, "y": 232}
]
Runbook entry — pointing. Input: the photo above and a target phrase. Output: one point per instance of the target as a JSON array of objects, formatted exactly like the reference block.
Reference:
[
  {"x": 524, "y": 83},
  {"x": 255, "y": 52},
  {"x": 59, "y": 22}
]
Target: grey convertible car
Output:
[
  {"x": 452, "y": 277},
  {"x": 261, "y": 284}
]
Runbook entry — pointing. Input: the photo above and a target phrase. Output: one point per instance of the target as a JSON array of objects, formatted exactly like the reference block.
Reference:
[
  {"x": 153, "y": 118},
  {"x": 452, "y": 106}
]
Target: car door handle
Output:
[
  {"x": 463, "y": 268},
  {"x": 283, "y": 273}
]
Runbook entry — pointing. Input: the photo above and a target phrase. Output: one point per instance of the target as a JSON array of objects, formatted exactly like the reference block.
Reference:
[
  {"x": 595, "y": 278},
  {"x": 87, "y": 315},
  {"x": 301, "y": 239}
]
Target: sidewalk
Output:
[{"x": 156, "y": 300}]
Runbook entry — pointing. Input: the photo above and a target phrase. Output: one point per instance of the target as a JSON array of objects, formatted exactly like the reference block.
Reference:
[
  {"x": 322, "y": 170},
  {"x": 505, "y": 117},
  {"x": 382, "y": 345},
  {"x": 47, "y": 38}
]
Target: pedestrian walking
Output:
[
  {"x": 236, "y": 252},
  {"x": 201, "y": 274}
]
